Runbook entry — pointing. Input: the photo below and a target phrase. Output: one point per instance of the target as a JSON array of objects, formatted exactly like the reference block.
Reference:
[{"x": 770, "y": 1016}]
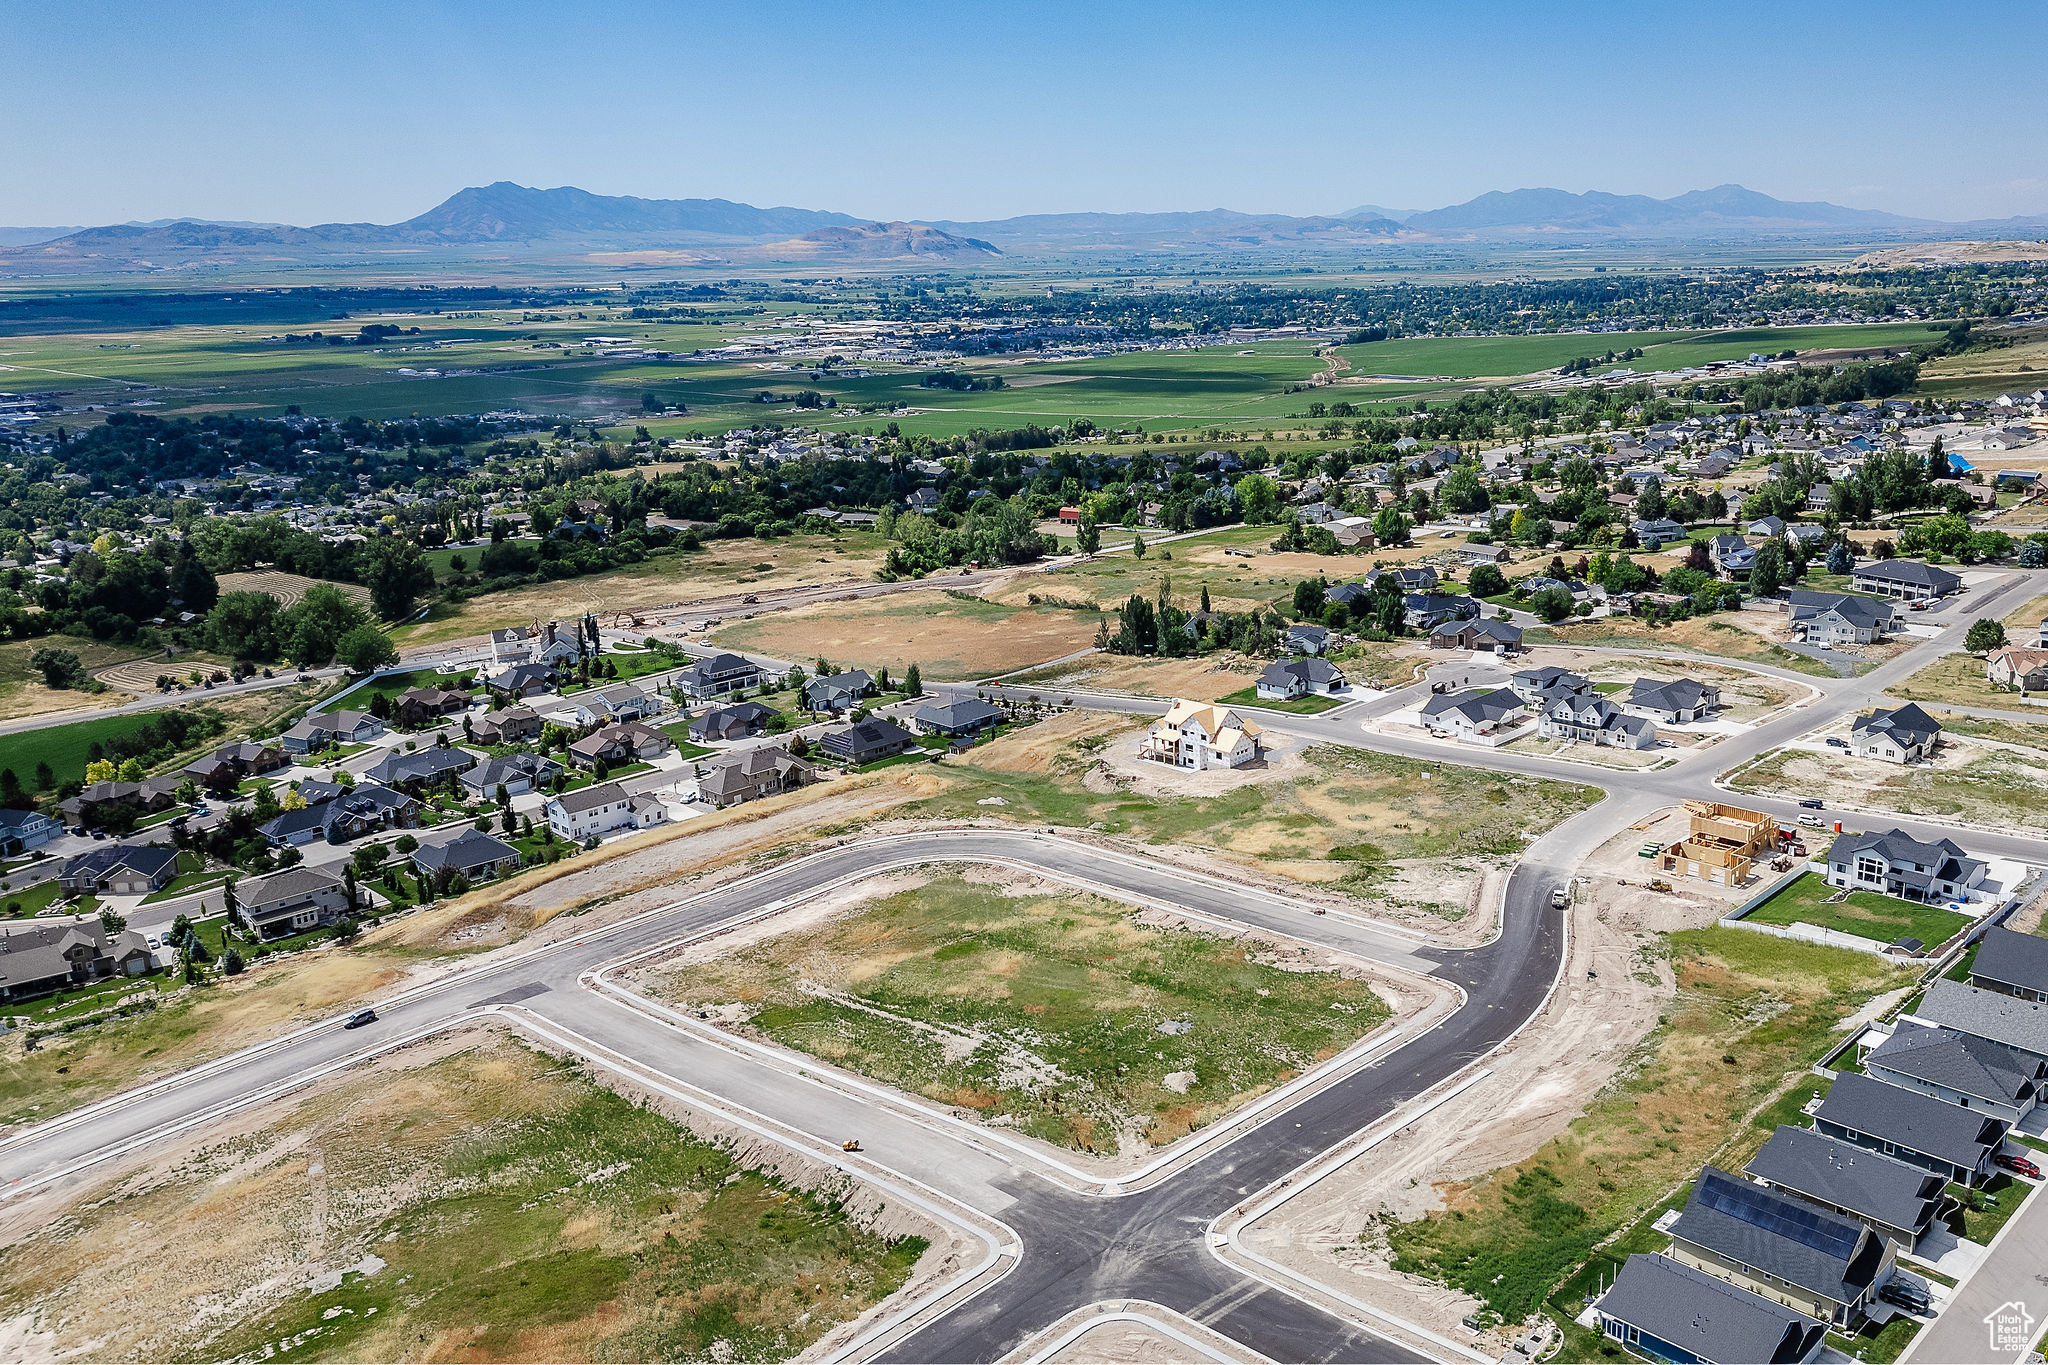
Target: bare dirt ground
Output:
[
  {"x": 1977, "y": 781},
  {"x": 1200, "y": 679},
  {"x": 1578, "y": 1045}
]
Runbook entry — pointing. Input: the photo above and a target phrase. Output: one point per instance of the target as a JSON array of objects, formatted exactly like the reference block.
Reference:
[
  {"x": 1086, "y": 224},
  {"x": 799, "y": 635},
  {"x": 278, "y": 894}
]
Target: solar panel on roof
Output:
[{"x": 1761, "y": 1208}]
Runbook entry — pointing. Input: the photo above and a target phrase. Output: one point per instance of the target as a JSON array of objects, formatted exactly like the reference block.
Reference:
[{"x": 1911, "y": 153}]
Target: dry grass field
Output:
[
  {"x": 948, "y": 635},
  {"x": 1729, "y": 635},
  {"x": 287, "y": 588},
  {"x": 1959, "y": 678}
]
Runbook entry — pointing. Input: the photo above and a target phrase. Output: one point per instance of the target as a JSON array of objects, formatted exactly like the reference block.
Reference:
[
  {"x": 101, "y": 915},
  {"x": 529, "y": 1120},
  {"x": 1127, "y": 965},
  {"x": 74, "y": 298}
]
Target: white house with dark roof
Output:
[
  {"x": 1287, "y": 679},
  {"x": 1835, "y": 619},
  {"x": 1904, "y": 734},
  {"x": 1470, "y": 716},
  {"x": 1680, "y": 701},
  {"x": 1904, "y": 578},
  {"x": 1894, "y": 863},
  {"x": 1592, "y": 719}
]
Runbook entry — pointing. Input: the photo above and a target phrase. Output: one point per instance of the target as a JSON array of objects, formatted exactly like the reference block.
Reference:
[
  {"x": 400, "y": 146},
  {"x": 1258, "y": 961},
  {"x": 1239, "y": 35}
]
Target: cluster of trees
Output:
[
  {"x": 1161, "y": 627},
  {"x": 323, "y": 626},
  {"x": 994, "y": 531}
]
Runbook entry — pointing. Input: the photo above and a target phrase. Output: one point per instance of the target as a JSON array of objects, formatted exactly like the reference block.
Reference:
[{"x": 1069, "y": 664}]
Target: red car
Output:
[{"x": 2018, "y": 1165}]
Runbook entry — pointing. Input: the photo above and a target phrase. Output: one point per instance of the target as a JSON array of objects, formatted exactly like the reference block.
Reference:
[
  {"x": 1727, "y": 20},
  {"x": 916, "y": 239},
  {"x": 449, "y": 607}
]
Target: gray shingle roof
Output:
[
  {"x": 959, "y": 713},
  {"x": 2019, "y": 1024},
  {"x": 1908, "y": 724},
  {"x": 1680, "y": 694},
  {"x": 1911, "y": 573},
  {"x": 2012, "y": 959},
  {"x": 1477, "y": 706},
  {"x": 1709, "y": 1319},
  {"x": 1972, "y": 1066},
  {"x": 1893, "y": 1192},
  {"x": 471, "y": 848},
  {"x": 1917, "y": 1122},
  {"x": 1800, "y": 1243}
]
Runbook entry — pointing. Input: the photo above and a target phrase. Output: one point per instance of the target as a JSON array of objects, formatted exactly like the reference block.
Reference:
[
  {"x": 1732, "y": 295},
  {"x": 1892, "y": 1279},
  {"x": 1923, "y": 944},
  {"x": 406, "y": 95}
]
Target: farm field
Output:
[
  {"x": 23, "y": 693},
  {"x": 949, "y": 636},
  {"x": 1864, "y": 914},
  {"x": 721, "y": 568},
  {"x": 1063, "y": 1014},
  {"x": 287, "y": 588},
  {"x": 67, "y": 748},
  {"x": 1774, "y": 1005},
  {"x": 1514, "y": 356},
  {"x": 479, "y": 1202}
]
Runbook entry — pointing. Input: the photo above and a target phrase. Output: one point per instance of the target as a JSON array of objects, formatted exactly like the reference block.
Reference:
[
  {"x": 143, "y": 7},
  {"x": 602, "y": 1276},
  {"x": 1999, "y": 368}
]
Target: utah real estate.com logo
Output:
[{"x": 2011, "y": 1327}]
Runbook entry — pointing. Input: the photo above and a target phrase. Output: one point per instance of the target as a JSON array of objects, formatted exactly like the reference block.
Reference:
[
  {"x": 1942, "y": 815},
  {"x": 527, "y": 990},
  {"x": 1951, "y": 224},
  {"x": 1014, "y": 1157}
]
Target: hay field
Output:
[
  {"x": 948, "y": 636},
  {"x": 287, "y": 588}
]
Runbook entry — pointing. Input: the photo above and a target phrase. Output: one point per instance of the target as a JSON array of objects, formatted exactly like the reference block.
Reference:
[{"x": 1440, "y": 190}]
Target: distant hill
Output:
[{"x": 506, "y": 226}]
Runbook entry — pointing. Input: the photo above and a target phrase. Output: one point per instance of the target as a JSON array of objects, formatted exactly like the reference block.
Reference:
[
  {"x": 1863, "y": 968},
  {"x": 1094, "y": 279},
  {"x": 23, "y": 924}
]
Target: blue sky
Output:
[{"x": 311, "y": 112}]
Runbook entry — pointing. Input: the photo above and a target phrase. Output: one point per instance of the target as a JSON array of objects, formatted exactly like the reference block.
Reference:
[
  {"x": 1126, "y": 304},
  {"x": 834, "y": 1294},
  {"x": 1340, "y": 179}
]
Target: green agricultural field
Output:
[
  {"x": 1045, "y": 1008},
  {"x": 1510, "y": 356},
  {"x": 65, "y": 747}
]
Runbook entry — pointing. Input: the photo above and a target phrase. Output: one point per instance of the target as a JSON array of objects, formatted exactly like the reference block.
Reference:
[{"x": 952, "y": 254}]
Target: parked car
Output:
[
  {"x": 1811, "y": 821},
  {"x": 360, "y": 1018},
  {"x": 1837, "y": 742},
  {"x": 1811, "y": 803},
  {"x": 1910, "y": 1297},
  {"x": 2018, "y": 1165}
]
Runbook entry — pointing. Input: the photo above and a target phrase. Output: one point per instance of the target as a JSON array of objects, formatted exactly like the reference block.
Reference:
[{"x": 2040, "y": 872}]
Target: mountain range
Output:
[{"x": 507, "y": 224}]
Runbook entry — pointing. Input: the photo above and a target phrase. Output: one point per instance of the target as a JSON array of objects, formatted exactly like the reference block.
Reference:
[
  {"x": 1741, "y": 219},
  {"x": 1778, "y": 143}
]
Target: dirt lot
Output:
[
  {"x": 948, "y": 635},
  {"x": 1614, "y": 1096},
  {"x": 468, "y": 1199},
  {"x": 1746, "y": 635},
  {"x": 1029, "y": 1005},
  {"x": 720, "y": 568},
  {"x": 1983, "y": 781}
]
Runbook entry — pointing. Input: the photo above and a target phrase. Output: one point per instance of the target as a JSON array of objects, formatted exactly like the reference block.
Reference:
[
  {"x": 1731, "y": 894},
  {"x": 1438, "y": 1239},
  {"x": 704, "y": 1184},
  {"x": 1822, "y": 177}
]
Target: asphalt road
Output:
[{"x": 1079, "y": 1245}]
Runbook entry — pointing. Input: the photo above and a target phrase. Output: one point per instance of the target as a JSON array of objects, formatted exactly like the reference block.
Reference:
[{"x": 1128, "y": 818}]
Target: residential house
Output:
[
  {"x": 225, "y": 767},
  {"x": 961, "y": 718},
  {"x": 1834, "y": 619},
  {"x": 521, "y": 682},
  {"x": 1479, "y": 636},
  {"x": 508, "y": 725},
  {"x": 1678, "y": 702},
  {"x": 749, "y": 774},
  {"x": 630, "y": 742},
  {"x": 1894, "y": 863},
  {"x": 1201, "y": 735},
  {"x": 1904, "y": 734},
  {"x": 1953, "y": 1142},
  {"x": 866, "y": 741},
  {"x": 2013, "y": 1022},
  {"x": 518, "y": 774},
  {"x": 1304, "y": 638},
  {"x": 1784, "y": 1249},
  {"x": 475, "y": 855},
  {"x": 417, "y": 706},
  {"x": 619, "y": 702},
  {"x": 837, "y": 693},
  {"x": 721, "y": 675},
  {"x": 1427, "y": 610},
  {"x": 1533, "y": 684},
  {"x": 1663, "y": 1309},
  {"x": 1592, "y": 719},
  {"x": 1894, "y": 1198},
  {"x": 1469, "y": 715},
  {"x": 1973, "y": 1073},
  {"x": 150, "y": 794},
  {"x": 510, "y": 646},
  {"x": 1732, "y": 555},
  {"x": 1409, "y": 578},
  {"x": 340, "y": 815},
  {"x": 590, "y": 812},
  {"x": 1722, "y": 843},
  {"x": 321, "y": 729},
  {"x": 423, "y": 767},
  {"x": 292, "y": 901},
  {"x": 1657, "y": 531},
  {"x": 739, "y": 721},
  {"x": 2011, "y": 963},
  {"x": 21, "y": 830},
  {"x": 1766, "y": 526},
  {"x": 2023, "y": 670},
  {"x": 54, "y": 953},
  {"x": 1287, "y": 679},
  {"x": 119, "y": 870},
  {"x": 1904, "y": 578}
]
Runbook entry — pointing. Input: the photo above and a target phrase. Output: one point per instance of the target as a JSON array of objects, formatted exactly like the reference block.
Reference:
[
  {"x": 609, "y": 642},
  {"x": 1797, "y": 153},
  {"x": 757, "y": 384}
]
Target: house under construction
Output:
[{"x": 1723, "y": 843}]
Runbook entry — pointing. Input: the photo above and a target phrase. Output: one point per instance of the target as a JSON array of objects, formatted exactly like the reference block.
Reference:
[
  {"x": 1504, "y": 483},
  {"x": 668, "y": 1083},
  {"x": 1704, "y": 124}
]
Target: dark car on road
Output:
[
  {"x": 1811, "y": 803},
  {"x": 360, "y": 1018}
]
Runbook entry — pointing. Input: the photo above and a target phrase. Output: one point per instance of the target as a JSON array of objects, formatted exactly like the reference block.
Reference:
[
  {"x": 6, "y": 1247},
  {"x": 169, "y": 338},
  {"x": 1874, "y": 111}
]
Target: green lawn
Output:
[
  {"x": 1299, "y": 706},
  {"x": 679, "y": 731},
  {"x": 1980, "y": 1218},
  {"x": 1864, "y": 914},
  {"x": 33, "y": 900},
  {"x": 64, "y": 747}
]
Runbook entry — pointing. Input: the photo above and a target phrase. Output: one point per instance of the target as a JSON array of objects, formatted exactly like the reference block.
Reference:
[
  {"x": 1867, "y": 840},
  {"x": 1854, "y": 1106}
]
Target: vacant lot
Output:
[
  {"x": 1714, "y": 636},
  {"x": 22, "y": 692},
  {"x": 1959, "y": 678},
  {"x": 721, "y": 568},
  {"x": 1745, "y": 697},
  {"x": 1984, "y": 784},
  {"x": 948, "y": 635},
  {"x": 490, "y": 1205},
  {"x": 1729, "y": 1064},
  {"x": 1350, "y": 816},
  {"x": 1863, "y": 913},
  {"x": 1038, "y": 1007}
]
